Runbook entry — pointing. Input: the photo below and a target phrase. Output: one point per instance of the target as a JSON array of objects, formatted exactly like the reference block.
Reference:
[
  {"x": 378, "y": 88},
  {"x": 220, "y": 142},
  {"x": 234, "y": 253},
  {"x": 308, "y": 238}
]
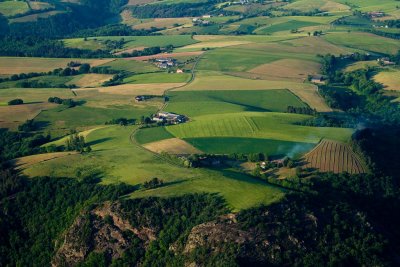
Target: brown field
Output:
[
  {"x": 178, "y": 54},
  {"x": 390, "y": 79},
  {"x": 333, "y": 156},
  {"x": 215, "y": 44},
  {"x": 25, "y": 162},
  {"x": 12, "y": 116},
  {"x": 172, "y": 146},
  {"x": 91, "y": 80},
  {"x": 16, "y": 65},
  {"x": 288, "y": 68},
  {"x": 98, "y": 62},
  {"x": 312, "y": 98},
  {"x": 139, "y": 2},
  {"x": 334, "y": 6},
  {"x": 133, "y": 89},
  {"x": 38, "y": 5}
]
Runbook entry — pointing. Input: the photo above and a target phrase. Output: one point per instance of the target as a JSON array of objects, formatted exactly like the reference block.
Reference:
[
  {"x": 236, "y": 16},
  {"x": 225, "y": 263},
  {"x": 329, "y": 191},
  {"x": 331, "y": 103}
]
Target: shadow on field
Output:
[
  {"x": 99, "y": 141},
  {"x": 41, "y": 125},
  {"x": 244, "y": 105},
  {"x": 174, "y": 182}
]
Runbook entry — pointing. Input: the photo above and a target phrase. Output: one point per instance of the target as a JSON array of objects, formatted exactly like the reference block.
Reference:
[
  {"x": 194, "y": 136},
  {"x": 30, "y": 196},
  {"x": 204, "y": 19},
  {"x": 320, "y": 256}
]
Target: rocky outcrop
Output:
[
  {"x": 102, "y": 229},
  {"x": 255, "y": 245},
  {"x": 212, "y": 234}
]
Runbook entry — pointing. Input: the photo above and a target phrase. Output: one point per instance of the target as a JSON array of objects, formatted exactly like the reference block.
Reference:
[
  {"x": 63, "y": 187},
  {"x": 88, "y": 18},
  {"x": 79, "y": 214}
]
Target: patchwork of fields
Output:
[
  {"x": 116, "y": 159},
  {"x": 241, "y": 75}
]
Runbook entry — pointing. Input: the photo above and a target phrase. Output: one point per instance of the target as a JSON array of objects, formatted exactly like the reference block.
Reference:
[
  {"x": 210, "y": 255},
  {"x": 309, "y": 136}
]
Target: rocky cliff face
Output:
[
  {"x": 255, "y": 246},
  {"x": 102, "y": 229}
]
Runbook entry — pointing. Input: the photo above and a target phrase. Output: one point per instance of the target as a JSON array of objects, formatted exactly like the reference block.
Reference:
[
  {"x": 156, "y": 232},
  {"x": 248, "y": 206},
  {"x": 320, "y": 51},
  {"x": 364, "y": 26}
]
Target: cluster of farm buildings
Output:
[
  {"x": 167, "y": 63},
  {"x": 168, "y": 117}
]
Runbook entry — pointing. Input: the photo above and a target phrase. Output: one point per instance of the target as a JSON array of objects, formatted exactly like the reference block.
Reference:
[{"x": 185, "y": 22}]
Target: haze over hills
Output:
[{"x": 199, "y": 133}]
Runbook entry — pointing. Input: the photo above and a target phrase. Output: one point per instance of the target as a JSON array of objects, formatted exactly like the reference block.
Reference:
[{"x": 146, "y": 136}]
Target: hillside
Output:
[{"x": 199, "y": 133}]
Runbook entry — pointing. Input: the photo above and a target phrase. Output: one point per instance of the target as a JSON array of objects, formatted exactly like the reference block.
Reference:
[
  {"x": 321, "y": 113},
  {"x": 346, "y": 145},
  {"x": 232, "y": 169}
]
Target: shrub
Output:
[{"x": 15, "y": 102}]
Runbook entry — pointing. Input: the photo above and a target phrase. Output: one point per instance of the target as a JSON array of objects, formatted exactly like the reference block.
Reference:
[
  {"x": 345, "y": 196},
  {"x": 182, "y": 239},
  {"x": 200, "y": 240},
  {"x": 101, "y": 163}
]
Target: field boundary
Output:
[{"x": 135, "y": 143}]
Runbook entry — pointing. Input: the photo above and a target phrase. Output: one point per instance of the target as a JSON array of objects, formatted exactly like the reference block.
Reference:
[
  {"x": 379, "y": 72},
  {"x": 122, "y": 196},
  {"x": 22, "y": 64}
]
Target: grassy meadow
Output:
[
  {"x": 116, "y": 159},
  {"x": 11, "y": 8},
  {"x": 269, "y": 125},
  {"x": 132, "y": 42},
  {"x": 230, "y": 145},
  {"x": 216, "y": 102},
  {"x": 364, "y": 41},
  {"x": 152, "y": 134}
]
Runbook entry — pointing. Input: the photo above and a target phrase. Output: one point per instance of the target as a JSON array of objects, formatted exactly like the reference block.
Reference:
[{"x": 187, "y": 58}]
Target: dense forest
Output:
[
  {"x": 175, "y": 10},
  {"x": 89, "y": 18}
]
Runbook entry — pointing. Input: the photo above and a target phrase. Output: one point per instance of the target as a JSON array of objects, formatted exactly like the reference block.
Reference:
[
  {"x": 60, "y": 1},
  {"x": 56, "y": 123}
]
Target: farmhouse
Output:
[
  {"x": 169, "y": 117},
  {"x": 164, "y": 63},
  {"x": 385, "y": 61},
  {"x": 140, "y": 98},
  {"x": 201, "y": 22},
  {"x": 376, "y": 14},
  {"x": 317, "y": 79},
  {"x": 179, "y": 71}
]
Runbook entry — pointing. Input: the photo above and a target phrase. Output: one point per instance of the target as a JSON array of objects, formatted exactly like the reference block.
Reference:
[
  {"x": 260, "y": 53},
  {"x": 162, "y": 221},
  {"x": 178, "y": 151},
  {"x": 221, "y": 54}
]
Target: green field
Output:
[
  {"x": 135, "y": 41},
  {"x": 268, "y": 125},
  {"x": 364, "y": 41},
  {"x": 51, "y": 81},
  {"x": 243, "y": 58},
  {"x": 81, "y": 116},
  {"x": 89, "y": 43},
  {"x": 158, "y": 77},
  {"x": 34, "y": 94},
  {"x": 11, "y": 8},
  {"x": 215, "y": 102},
  {"x": 229, "y": 145},
  {"x": 286, "y": 26},
  {"x": 371, "y": 5},
  {"x": 116, "y": 159},
  {"x": 148, "y": 135}
]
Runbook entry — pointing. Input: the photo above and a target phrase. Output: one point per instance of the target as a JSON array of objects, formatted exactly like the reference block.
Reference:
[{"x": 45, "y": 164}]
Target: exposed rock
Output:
[
  {"x": 212, "y": 234},
  {"x": 255, "y": 246},
  {"x": 102, "y": 229},
  {"x": 74, "y": 248}
]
